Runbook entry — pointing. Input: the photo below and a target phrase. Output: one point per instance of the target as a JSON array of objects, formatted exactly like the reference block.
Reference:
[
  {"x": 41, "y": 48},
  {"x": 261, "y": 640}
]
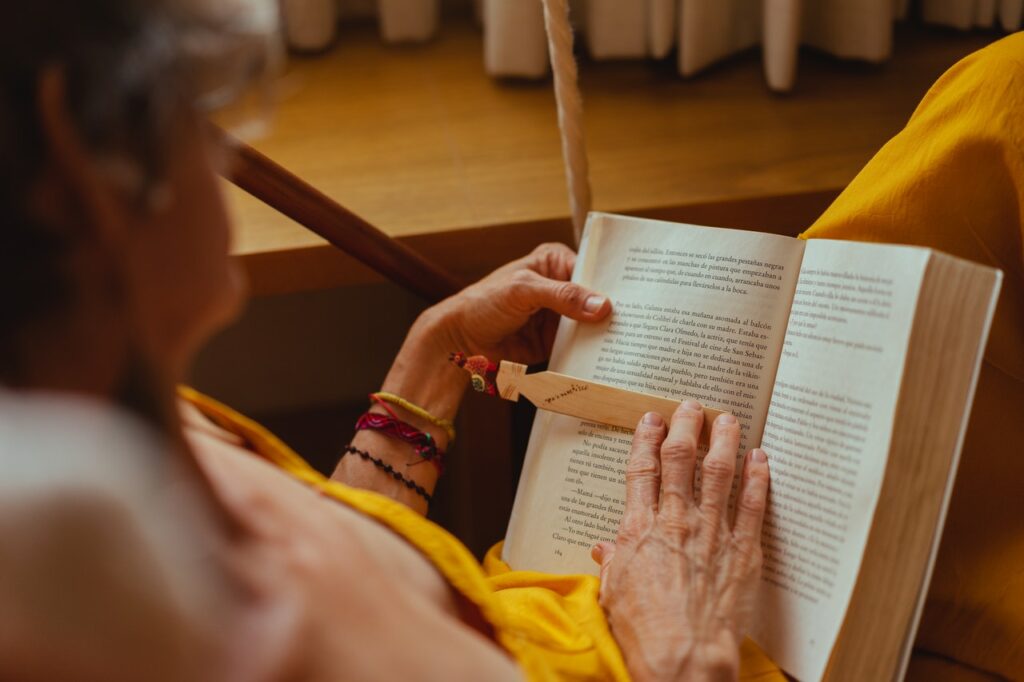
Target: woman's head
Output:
[{"x": 113, "y": 233}]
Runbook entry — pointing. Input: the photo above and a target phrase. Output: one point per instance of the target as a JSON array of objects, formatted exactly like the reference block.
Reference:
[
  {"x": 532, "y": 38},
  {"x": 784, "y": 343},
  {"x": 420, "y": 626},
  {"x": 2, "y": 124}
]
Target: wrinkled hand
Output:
[
  {"x": 678, "y": 584},
  {"x": 512, "y": 314}
]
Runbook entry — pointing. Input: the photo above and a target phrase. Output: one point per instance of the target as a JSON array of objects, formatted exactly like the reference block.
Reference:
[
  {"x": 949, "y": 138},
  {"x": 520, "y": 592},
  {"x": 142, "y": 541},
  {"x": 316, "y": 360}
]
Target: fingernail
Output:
[
  {"x": 759, "y": 456},
  {"x": 653, "y": 419},
  {"x": 726, "y": 418},
  {"x": 692, "y": 405},
  {"x": 593, "y": 304}
]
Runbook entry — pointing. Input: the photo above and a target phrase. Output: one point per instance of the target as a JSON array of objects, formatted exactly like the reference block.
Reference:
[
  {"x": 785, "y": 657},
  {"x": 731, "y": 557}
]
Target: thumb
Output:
[{"x": 566, "y": 298}]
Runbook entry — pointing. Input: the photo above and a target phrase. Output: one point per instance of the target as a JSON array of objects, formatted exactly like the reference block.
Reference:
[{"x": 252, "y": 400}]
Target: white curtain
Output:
[
  {"x": 704, "y": 31},
  {"x": 311, "y": 25}
]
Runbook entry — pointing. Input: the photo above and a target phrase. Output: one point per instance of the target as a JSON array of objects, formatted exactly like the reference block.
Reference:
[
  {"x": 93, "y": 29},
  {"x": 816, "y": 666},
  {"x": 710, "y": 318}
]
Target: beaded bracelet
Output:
[
  {"x": 482, "y": 372},
  {"x": 390, "y": 471},
  {"x": 390, "y": 425},
  {"x": 446, "y": 424}
]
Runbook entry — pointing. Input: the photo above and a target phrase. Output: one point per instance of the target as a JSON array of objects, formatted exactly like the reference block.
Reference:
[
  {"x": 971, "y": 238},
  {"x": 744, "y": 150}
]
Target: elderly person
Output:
[{"x": 116, "y": 269}]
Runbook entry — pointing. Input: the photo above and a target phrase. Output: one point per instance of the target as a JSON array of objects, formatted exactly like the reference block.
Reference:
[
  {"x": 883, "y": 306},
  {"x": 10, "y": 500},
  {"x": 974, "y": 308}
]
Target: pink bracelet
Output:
[{"x": 390, "y": 425}]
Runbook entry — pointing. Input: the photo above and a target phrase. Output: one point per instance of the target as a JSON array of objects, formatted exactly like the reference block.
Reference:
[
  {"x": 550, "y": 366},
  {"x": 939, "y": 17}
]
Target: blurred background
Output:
[{"x": 435, "y": 121}]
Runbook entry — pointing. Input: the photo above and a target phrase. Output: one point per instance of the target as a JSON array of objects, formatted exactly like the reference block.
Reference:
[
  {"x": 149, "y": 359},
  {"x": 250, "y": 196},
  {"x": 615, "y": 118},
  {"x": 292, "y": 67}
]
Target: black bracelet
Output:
[{"x": 390, "y": 471}]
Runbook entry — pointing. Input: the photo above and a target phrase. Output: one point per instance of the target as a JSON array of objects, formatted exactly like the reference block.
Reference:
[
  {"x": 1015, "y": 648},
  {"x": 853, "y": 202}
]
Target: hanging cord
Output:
[{"x": 570, "y": 110}]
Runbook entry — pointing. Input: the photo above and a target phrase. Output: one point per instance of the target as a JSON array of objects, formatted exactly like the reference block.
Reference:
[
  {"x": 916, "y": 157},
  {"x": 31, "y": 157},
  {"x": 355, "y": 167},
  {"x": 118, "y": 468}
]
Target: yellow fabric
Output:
[
  {"x": 953, "y": 180},
  {"x": 552, "y": 625}
]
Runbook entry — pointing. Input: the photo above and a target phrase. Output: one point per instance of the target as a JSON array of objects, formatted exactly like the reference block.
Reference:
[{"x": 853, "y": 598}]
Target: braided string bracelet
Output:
[
  {"x": 390, "y": 471},
  {"x": 385, "y": 397},
  {"x": 390, "y": 425}
]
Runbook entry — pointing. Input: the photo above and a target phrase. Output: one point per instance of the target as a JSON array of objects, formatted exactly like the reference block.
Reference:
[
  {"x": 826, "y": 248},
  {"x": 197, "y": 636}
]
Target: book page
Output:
[
  {"x": 698, "y": 313},
  {"x": 827, "y": 437}
]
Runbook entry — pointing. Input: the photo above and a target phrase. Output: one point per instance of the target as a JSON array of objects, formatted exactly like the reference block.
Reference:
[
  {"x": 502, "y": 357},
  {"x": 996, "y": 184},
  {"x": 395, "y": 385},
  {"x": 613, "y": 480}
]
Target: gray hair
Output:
[{"x": 128, "y": 65}]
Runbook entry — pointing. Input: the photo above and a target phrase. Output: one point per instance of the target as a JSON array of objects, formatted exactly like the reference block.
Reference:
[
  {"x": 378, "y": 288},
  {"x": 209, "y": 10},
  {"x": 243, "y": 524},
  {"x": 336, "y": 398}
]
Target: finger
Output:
[
  {"x": 554, "y": 261},
  {"x": 535, "y": 292},
  {"x": 679, "y": 459},
  {"x": 719, "y": 468},
  {"x": 603, "y": 553},
  {"x": 752, "y": 499},
  {"x": 643, "y": 472}
]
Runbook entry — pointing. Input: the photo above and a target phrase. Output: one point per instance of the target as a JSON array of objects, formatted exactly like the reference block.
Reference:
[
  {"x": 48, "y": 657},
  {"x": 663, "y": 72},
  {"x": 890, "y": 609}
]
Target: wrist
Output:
[
  {"x": 669, "y": 660},
  {"x": 712, "y": 666},
  {"x": 421, "y": 372},
  {"x": 691, "y": 669}
]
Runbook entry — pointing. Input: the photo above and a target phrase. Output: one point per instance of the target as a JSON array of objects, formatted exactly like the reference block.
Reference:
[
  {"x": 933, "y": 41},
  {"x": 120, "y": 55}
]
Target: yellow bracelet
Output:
[{"x": 445, "y": 424}]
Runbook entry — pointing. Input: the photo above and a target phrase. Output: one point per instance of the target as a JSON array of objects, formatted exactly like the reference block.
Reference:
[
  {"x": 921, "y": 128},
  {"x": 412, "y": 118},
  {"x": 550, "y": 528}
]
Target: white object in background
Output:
[
  {"x": 408, "y": 20},
  {"x": 559, "y": 30},
  {"x": 661, "y": 28},
  {"x": 850, "y": 29},
  {"x": 781, "y": 42},
  {"x": 515, "y": 43},
  {"x": 616, "y": 29},
  {"x": 712, "y": 29},
  {"x": 310, "y": 25},
  {"x": 1010, "y": 14},
  {"x": 956, "y": 13}
]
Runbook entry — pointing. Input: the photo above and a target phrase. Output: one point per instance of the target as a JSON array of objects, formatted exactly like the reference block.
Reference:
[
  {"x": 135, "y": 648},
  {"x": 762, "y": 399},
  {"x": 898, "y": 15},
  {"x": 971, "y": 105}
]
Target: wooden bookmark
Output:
[{"x": 588, "y": 400}]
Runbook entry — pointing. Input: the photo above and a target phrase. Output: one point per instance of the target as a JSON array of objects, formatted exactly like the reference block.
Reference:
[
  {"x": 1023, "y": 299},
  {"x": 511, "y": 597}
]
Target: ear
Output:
[{"x": 99, "y": 206}]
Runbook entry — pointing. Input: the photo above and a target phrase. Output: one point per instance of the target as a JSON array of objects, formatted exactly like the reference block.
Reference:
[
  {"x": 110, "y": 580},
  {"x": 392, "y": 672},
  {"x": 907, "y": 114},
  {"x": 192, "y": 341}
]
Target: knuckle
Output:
[
  {"x": 643, "y": 468},
  {"x": 753, "y": 500},
  {"x": 683, "y": 448},
  {"x": 717, "y": 469},
  {"x": 647, "y": 438},
  {"x": 552, "y": 251},
  {"x": 521, "y": 284},
  {"x": 547, "y": 257},
  {"x": 523, "y": 277},
  {"x": 678, "y": 526},
  {"x": 547, "y": 248},
  {"x": 570, "y": 294}
]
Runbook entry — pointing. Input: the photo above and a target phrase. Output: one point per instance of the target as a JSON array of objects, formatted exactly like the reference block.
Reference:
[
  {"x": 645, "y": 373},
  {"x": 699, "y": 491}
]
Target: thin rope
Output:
[{"x": 570, "y": 110}]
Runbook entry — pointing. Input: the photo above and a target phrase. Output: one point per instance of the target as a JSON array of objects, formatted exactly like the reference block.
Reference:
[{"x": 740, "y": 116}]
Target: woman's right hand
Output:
[{"x": 679, "y": 582}]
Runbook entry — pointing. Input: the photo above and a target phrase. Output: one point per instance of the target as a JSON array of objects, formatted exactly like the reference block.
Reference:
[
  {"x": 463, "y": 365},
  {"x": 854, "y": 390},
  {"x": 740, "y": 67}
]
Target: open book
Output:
[{"x": 853, "y": 365}]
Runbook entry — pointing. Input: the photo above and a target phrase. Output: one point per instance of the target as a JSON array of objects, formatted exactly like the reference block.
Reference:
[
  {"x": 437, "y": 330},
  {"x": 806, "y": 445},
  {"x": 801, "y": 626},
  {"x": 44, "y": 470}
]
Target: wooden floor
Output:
[{"x": 420, "y": 142}]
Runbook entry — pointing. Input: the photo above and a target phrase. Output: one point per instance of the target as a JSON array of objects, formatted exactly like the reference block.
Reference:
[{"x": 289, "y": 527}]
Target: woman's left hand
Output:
[{"x": 512, "y": 314}]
